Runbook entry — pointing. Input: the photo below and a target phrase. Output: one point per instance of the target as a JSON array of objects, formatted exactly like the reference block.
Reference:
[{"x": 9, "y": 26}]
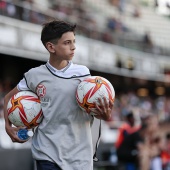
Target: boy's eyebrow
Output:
[{"x": 69, "y": 40}]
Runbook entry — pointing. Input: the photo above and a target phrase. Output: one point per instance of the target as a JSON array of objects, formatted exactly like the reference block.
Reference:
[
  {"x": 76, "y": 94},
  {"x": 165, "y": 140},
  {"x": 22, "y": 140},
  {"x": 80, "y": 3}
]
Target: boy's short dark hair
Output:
[
  {"x": 53, "y": 30},
  {"x": 129, "y": 115}
]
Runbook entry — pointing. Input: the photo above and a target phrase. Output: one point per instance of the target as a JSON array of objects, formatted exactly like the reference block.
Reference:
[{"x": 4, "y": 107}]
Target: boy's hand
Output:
[
  {"x": 12, "y": 132},
  {"x": 103, "y": 109}
]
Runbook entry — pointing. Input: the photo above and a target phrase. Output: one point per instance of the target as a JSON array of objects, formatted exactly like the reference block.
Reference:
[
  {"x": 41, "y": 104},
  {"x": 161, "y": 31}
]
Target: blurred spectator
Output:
[
  {"x": 136, "y": 12},
  {"x": 119, "y": 63},
  {"x": 114, "y": 2},
  {"x": 149, "y": 156},
  {"x": 3, "y": 5},
  {"x": 126, "y": 128},
  {"x": 11, "y": 10},
  {"x": 137, "y": 150},
  {"x": 106, "y": 37},
  {"x": 130, "y": 64},
  {"x": 128, "y": 152},
  {"x": 165, "y": 154},
  {"x": 168, "y": 6},
  {"x": 156, "y": 4},
  {"x": 116, "y": 25},
  {"x": 147, "y": 42},
  {"x": 122, "y": 6},
  {"x": 112, "y": 24}
]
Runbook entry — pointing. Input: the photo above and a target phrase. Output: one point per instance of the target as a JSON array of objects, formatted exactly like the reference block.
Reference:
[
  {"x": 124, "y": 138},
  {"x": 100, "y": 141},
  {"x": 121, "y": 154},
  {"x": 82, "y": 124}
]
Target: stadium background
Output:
[{"x": 126, "y": 42}]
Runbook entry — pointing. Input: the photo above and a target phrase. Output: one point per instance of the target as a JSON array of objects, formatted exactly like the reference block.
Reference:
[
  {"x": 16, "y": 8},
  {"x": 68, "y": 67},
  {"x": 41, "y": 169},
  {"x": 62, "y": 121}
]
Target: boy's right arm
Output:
[{"x": 11, "y": 130}]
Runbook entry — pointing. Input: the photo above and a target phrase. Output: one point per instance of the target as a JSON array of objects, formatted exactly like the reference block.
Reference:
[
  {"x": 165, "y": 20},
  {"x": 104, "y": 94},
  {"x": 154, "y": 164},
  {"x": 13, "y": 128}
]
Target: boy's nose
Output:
[{"x": 73, "y": 47}]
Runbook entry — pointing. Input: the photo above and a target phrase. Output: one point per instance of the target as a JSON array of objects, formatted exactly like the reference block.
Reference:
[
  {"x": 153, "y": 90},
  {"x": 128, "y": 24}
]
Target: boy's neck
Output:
[{"x": 58, "y": 64}]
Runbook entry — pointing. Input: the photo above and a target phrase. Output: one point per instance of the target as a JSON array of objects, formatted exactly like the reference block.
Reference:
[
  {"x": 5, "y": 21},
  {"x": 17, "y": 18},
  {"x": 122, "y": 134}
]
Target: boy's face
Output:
[{"x": 65, "y": 47}]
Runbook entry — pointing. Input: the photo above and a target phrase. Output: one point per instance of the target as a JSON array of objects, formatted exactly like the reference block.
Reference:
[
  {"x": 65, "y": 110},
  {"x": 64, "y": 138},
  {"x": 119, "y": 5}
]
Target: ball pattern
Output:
[
  {"x": 24, "y": 109},
  {"x": 92, "y": 88}
]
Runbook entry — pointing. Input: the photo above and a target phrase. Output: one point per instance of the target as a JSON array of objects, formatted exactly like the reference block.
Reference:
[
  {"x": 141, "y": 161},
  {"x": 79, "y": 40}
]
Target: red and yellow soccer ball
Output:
[
  {"x": 92, "y": 88},
  {"x": 24, "y": 109}
]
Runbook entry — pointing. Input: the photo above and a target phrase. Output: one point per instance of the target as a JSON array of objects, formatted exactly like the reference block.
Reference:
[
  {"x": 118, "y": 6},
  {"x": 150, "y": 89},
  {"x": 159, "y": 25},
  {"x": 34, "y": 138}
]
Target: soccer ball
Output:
[
  {"x": 24, "y": 109},
  {"x": 92, "y": 88}
]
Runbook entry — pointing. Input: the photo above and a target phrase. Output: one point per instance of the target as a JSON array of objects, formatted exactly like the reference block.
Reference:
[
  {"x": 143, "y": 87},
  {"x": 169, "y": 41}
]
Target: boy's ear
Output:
[{"x": 50, "y": 47}]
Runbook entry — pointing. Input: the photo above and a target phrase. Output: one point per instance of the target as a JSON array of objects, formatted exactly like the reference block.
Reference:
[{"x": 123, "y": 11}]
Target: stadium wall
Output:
[{"x": 22, "y": 39}]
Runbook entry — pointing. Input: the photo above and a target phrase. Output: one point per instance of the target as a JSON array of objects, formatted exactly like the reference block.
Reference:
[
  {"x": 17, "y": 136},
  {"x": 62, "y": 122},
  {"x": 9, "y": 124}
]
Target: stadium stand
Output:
[{"x": 128, "y": 32}]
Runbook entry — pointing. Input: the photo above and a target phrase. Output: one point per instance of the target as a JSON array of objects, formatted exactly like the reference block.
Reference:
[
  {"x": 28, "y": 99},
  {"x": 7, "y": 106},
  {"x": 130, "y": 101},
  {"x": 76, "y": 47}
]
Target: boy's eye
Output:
[{"x": 67, "y": 42}]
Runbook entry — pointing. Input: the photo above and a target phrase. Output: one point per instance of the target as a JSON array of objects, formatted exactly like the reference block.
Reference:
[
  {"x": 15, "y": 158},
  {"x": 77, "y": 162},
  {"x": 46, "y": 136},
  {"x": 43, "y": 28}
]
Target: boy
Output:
[{"x": 63, "y": 139}]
